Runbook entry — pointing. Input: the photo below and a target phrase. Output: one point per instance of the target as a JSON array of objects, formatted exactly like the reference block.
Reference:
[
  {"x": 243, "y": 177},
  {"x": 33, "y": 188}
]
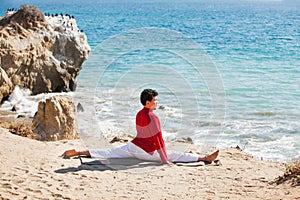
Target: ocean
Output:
[{"x": 227, "y": 72}]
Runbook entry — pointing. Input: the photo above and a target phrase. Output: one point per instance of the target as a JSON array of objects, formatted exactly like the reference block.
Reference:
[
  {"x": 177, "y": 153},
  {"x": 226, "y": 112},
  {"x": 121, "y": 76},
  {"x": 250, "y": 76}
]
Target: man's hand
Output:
[{"x": 170, "y": 164}]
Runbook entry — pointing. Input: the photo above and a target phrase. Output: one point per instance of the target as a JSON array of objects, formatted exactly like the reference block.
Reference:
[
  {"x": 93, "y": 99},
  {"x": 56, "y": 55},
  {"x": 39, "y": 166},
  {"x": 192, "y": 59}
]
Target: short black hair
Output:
[{"x": 147, "y": 95}]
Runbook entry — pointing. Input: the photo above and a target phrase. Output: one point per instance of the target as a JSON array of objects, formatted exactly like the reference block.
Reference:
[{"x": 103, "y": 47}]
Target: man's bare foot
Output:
[
  {"x": 69, "y": 153},
  {"x": 210, "y": 158}
]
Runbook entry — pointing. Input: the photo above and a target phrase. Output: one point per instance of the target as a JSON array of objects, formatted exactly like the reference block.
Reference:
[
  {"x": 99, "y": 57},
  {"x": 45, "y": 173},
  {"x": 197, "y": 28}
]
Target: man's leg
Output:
[
  {"x": 175, "y": 156},
  {"x": 125, "y": 151},
  {"x": 115, "y": 152}
]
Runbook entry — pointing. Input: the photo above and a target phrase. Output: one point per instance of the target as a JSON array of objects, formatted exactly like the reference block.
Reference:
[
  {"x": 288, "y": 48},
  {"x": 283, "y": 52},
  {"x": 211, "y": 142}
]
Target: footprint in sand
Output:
[
  {"x": 29, "y": 189},
  {"x": 36, "y": 176},
  {"x": 80, "y": 188},
  {"x": 57, "y": 195},
  {"x": 17, "y": 181},
  {"x": 5, "y": 179},
  {"x": 6, "y": 185},
  {"x": 83, "y": 176},
  {"x": 34, "y": 191},
  {"x": 65, "y": 185},
  {"x": 13, "y": 193},
  {"x": 21, "y": 169}
]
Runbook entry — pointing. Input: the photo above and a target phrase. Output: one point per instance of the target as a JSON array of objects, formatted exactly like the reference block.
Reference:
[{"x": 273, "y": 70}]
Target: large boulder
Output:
[
  {"x": 55, "y": 119},
  {"x": 6, "y": 86},
  {"x": 41, "y": 53}
]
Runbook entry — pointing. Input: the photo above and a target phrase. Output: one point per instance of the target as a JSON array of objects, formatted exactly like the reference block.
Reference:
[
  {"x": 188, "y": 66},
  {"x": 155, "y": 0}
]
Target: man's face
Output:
[{"x": 152, "y": 104}]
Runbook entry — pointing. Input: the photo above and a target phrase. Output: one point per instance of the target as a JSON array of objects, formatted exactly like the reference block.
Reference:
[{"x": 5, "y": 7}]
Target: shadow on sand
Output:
[
  {"x": 110, "y": 164},
  {"x": 118, "y": 164}
]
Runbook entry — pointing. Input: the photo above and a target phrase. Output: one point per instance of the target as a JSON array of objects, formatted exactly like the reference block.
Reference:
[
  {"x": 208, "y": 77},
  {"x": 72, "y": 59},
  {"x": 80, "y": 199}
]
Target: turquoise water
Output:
[{"x": 255, "y": 46}]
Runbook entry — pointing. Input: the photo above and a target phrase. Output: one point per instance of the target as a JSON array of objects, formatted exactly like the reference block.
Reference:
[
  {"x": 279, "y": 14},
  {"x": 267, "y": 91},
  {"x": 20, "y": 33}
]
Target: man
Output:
[{"x": 148, "y": 143}]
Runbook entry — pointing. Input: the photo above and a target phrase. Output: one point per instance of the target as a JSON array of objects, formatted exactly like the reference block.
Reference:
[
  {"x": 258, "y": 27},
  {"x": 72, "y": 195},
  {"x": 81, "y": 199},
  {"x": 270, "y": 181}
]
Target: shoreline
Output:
[{"x": 12, "y": 121}]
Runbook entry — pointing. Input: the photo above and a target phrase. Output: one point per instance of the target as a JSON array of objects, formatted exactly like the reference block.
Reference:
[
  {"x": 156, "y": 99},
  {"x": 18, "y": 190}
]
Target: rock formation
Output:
[
  {"x": 55, "y": 119},
  {"x": 5, "y": 85},
  {"x": 41, "y": 53}
]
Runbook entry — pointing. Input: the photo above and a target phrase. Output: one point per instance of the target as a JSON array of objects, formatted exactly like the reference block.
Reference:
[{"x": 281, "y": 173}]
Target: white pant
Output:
[{"x": 130, "y": 150}]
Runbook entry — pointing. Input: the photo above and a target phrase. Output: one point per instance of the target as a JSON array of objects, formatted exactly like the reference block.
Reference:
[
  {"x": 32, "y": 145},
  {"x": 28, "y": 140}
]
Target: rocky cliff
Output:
[
  {"x": 6, "y": 86},
  {"x": 41, "y": 53},
  {"x": 55, "y": 119}
]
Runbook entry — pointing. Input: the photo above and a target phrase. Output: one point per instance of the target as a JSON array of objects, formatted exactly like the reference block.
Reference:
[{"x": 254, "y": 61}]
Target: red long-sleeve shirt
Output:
[{"x": 149, "y": 135}]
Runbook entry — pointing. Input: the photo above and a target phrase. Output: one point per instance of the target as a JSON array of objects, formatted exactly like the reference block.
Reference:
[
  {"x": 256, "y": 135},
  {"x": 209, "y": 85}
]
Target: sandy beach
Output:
[{"x": 31, "y": 169}]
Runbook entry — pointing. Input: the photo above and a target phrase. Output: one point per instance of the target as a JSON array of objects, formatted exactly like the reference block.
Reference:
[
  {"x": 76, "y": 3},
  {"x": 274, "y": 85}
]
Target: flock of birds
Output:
[{"x": 63, "y": 16}]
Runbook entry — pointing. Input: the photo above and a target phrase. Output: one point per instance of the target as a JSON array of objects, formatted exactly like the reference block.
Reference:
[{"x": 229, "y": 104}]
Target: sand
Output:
[{"x": 31, "y": 169}]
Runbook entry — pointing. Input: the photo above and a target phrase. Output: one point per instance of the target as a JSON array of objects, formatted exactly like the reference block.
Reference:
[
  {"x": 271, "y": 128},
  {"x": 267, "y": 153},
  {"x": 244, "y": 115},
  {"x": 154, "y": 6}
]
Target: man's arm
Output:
[{"x": 163, "y": 155}]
